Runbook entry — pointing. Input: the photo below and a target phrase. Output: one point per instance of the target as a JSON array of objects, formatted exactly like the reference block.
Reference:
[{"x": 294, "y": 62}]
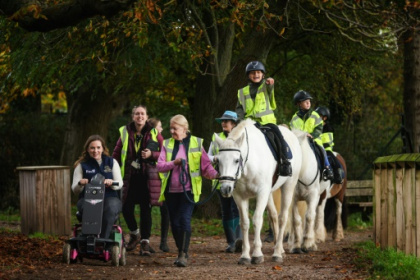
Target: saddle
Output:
[
  {"x": 273, "y": 142},
  {"x": 319, "y": 155}
]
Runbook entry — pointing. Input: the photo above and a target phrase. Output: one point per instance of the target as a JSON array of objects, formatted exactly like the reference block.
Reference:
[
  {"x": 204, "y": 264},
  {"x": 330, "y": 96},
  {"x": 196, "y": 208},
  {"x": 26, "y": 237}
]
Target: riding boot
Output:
[
  {"x": 327, "y": 174},
  {"x": 164, "y": 228},
  {"x": 270, "y": 235},
  {"x": 239, "y": 237},
  {"x": 229, "y": 229},
  {"x": 183, "y": 253},
  {"x": 285, "y": 169}
]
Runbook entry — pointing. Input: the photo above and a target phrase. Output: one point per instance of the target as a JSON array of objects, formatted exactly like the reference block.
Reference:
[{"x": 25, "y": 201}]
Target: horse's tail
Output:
[{"x": 330, "y": 214}]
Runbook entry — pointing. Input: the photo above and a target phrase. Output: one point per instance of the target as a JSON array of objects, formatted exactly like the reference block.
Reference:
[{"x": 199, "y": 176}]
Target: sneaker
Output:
[
  {"x": 230, "y": 248},
  {"x": 145, "y": 248},
  {"x": 285, "y": 169},
  {"x": 327, "y": 174},
  {"x": 134, "y": 240}
]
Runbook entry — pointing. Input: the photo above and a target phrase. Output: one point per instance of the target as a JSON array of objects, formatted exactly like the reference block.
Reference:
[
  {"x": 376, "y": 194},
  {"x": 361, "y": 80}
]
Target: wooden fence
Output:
[
  {"x": 360, "y": 193},
  {"x": 397, "y": 202},
  {"x": 45, "y": 199}
]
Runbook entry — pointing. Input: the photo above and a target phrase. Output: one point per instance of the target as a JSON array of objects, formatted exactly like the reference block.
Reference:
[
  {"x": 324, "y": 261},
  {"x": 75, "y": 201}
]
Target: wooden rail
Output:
[{"x": 360, "y": 193}]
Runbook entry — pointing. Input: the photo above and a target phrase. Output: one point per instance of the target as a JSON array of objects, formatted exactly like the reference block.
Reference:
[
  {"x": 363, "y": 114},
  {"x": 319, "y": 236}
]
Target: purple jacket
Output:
[{"x": 131, "y": 155}]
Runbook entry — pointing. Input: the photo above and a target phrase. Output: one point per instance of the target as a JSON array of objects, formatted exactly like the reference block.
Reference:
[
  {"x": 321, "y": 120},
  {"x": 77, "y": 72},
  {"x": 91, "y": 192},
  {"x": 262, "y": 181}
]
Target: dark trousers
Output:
[
  {"x": 138, "y": 193},
  {"x": 112, "y": 208},
  {"x": 229, "y": 208},
  {"x": 180, "y": 210},
  {"x": 180, "y": 213}
]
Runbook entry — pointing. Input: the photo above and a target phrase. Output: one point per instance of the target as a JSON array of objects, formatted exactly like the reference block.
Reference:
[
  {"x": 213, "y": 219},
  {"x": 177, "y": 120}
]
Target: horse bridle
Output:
[{"x": 241, "y": 162}]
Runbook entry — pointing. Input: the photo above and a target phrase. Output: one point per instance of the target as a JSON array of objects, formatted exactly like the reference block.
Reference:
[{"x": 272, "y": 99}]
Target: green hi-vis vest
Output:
[
  {"x": 124, "y": 139},
  {"x": 308, "y": 124},
  {"x": 262, "y": 109},
  {"x": 327, "y": 141},
  {"x": 215, "y": 151},
  {"x": 194, "y": 165}
]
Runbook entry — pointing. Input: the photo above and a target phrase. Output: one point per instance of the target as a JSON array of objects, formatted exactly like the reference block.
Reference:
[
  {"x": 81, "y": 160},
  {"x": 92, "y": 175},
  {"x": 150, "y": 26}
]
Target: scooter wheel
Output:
[
  {"x": 115, "y": 255},
  {"x": 123, "y": 259},
  {"x": 66, "y": 253}
]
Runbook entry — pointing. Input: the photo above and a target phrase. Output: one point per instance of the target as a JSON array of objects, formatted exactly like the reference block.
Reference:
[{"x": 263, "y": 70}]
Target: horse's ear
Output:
[
  {"x": 240, "y": 140},
  {"x": 218, "y": 140}
]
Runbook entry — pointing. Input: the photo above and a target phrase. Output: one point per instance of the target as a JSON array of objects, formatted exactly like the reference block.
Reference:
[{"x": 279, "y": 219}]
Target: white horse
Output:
[
  {"x": 309, "y": 188},
  {"x": 247, "y": 169}
]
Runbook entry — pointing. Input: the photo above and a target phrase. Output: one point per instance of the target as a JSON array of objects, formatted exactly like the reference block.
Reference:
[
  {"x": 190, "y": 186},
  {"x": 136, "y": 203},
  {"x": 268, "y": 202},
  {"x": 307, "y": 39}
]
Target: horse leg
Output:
[
  {"x": 278, "y": 244},
  {"x": 295, "y": 238},
  {"x": 273, "y": 215},
  {"x": 243, "y": 214},
  {"x": 309, "y": 234},
  {"x": 320, "y": 230},
  {"x": 257, "y": 219},
  {"x": 338, "y": 232}
]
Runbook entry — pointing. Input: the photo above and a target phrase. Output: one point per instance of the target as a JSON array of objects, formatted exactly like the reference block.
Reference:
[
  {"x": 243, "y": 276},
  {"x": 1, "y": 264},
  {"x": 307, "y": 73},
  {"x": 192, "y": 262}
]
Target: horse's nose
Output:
[{"x": 226, "y": 190}]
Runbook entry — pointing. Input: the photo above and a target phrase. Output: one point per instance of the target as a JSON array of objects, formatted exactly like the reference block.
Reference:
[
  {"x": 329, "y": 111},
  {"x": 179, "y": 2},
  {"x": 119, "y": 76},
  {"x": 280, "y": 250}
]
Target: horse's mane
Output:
[
  {"x": 300, "y": 134},
  {"x": 239, "y": 129}
]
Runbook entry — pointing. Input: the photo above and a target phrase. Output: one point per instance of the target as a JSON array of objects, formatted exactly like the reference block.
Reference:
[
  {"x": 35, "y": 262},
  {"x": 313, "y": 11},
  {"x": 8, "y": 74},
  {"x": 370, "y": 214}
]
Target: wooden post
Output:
[{"x": 45, "y": 199}]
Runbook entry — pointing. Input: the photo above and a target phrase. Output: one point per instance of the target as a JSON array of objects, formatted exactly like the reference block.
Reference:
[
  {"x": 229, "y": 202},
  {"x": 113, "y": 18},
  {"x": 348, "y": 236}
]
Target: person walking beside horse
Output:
[
  {"x": 230, "y": 213},
  {"x": 183, "y": 161}
]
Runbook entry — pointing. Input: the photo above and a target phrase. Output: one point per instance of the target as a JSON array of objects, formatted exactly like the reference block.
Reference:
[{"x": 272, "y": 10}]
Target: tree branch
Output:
[{"x": 34, "y": 15}]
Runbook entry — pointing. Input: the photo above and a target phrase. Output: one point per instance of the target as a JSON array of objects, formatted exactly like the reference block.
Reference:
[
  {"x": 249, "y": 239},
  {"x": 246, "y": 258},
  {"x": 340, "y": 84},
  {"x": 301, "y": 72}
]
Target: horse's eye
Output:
[{"x": 236, "y": 160}]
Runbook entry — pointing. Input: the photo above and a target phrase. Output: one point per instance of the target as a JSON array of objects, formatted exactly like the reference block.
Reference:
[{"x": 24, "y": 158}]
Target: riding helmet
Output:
[
  {"x": 323, "y": 111},
  {"x": 254, "y": 66},
  {"x": 301, "y": 95}
]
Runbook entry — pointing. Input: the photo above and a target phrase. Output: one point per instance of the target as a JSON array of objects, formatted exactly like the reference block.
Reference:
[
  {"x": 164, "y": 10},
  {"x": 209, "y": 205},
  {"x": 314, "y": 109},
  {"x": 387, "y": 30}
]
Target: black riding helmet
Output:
[
  {"x": 301, "y": 95},
  {"x": 323, "y": 111},
  {"x": 254, "y": 66}
]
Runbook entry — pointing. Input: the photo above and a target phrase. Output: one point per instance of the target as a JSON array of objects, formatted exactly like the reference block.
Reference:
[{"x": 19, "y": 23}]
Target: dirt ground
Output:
[{"x": 333, "y": 260}]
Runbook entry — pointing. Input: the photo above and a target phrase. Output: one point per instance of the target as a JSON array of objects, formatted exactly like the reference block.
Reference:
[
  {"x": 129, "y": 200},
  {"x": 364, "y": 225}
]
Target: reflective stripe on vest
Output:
[
  {"x": 262, "y": 109},
  {"x": 124, "y": 140},
  {"x": 215, "y": 152},
  {"x": 194, "y": 165},
  {"x": 307, "y": 125},
  {"x": 327, "y": 141}
]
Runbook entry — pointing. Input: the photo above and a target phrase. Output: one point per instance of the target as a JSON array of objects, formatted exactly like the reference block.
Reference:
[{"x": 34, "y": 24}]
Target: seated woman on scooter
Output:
[{"x": 95, "y": 159}]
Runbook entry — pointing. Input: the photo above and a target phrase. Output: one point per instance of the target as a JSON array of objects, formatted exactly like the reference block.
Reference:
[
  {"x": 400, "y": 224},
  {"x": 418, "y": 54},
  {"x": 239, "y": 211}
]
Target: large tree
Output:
[{"x": 382, "y": 25}]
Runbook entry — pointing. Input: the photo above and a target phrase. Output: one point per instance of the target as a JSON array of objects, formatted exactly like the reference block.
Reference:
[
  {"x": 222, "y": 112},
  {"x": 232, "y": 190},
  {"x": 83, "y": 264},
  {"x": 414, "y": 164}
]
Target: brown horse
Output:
[{"x": 331, "y": 204}]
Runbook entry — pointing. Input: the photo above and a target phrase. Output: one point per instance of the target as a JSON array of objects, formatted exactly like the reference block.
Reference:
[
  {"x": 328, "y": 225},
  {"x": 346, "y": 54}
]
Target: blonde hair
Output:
[
  {"x": 180, "y": 120},
  {"x": 85, "y": 154}
]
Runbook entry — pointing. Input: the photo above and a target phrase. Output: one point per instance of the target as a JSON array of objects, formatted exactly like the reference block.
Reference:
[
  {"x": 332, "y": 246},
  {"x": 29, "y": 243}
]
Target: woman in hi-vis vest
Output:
[
  {"x": 132, "y": 153},
  {"x": 183, "y": 161}
]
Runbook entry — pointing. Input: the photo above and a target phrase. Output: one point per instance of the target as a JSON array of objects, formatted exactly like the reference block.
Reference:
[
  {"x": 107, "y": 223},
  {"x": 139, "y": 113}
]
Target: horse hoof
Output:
[
  {"x": 257, "y": 260},
  {"x": 297, "y": 251},
  {"x": 305, "y": 250},
  {"x": 277, "y": 259},
  {"x": 244, "y": 261}
]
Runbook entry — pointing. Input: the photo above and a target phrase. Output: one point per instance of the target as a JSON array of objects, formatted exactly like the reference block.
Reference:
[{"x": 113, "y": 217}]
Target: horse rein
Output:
[{"x": 241, "y": 165}]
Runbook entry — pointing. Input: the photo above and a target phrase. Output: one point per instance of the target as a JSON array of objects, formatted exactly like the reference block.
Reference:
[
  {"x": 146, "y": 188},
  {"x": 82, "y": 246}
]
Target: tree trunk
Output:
[
  {"x": 412, "y": 87},
  {"x": 212, "y": 99},
  {"x": 90, "y": 112}
]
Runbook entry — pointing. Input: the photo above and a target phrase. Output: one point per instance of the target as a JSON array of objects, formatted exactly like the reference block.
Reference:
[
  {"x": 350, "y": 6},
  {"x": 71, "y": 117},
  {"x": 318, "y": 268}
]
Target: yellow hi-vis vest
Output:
[
  {"x": 215, "y": 151},
  {"x": 124, "y": 139},
  {"x": 194, "y": 166},
  {"x": 327, "y": 141},
  {"x": 260, "y": 110},
  {"x": 307, "y": 125}
]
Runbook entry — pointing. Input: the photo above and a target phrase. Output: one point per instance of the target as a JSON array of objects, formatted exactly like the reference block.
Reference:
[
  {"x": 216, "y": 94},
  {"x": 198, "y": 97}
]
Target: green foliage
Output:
[
  {"x": 28, "y": 139},
  {"x": 356, "y": 221},
  {"x": 387, "y": 263}
]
